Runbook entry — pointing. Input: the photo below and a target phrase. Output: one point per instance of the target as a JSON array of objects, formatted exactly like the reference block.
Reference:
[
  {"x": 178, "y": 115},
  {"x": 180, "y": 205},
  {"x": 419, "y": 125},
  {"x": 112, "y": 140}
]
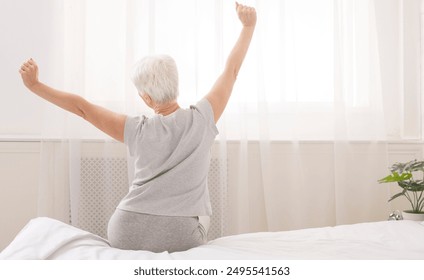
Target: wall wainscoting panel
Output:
[{"x": 104, "y": 182}]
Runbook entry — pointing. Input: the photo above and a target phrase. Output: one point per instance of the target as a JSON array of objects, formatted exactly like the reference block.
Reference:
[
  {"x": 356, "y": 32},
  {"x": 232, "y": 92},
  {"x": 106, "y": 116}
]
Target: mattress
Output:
[{"x": 45, "y": 238}]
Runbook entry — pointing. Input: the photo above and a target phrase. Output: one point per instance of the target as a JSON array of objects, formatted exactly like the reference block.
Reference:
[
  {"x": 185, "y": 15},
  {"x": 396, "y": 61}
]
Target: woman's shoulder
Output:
[
  {"x": 136, "y": 121},
  {"x": 202, "y": 105},
  {"x": 204, "y": 108}
]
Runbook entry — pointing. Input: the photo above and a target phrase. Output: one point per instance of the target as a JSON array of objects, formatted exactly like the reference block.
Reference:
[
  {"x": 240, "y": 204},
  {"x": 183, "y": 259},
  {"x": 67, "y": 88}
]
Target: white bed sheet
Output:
[{"x": 44, "y": 238}]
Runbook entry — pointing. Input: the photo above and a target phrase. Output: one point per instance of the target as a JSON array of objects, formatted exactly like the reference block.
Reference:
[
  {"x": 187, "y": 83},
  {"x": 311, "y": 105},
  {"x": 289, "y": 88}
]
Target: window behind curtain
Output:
[
  {"x": 289, "y": 78},
  {"x": 310, "y": 62}
]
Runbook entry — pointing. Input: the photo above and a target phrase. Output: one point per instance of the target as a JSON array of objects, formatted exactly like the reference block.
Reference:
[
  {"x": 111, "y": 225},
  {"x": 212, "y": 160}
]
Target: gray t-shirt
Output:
[{"x": 172, "y": 156}]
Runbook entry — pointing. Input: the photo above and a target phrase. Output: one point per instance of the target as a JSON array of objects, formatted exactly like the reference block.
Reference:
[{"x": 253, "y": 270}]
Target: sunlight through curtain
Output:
[{"x": 304, "y": 137}]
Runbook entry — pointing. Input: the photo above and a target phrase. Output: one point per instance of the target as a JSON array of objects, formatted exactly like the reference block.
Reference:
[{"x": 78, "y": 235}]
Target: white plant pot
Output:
[{"x": 413, "y": 216}]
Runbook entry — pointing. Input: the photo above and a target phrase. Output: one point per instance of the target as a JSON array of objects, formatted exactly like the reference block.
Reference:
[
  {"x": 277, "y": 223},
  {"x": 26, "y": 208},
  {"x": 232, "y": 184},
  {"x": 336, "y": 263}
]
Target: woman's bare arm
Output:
[
  {"x": 107, "y": 121},
  {"x": 221, "y": 90}
]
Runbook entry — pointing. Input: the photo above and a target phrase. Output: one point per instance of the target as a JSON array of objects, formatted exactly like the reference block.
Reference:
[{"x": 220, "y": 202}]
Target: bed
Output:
[{"x": 45, "y": 238}]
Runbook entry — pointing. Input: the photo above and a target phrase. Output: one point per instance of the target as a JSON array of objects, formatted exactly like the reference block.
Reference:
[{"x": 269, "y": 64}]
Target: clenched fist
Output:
[
  {"x": 246, "y": 14},
  {"x": 29, "y": 73}
]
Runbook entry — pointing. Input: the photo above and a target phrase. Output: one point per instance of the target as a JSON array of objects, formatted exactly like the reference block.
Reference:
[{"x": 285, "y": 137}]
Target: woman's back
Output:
[{"x": 171, "y": 162}]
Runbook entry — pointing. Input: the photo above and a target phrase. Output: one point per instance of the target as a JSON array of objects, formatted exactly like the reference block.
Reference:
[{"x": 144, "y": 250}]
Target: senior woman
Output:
[{"x": 169, "y": 194}]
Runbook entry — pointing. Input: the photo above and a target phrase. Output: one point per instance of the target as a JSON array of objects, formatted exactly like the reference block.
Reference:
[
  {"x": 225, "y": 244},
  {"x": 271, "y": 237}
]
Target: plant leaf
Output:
[
  {"x": 395, "y": 177},
  {"x": 415, "y": 166},
  {"x": 397, "y": 195},
  {"x": 416, "y": 186},
  {"x": 398, "y": 167}
]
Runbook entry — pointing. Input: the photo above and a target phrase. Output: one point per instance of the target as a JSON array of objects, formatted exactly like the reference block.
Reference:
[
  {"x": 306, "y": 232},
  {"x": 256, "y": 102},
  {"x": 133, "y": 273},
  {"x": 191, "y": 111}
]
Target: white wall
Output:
[
  {"x": 20, "y": 169},
  {"x": 27, "y": 29},
  {"x": 19, "y": 174}
]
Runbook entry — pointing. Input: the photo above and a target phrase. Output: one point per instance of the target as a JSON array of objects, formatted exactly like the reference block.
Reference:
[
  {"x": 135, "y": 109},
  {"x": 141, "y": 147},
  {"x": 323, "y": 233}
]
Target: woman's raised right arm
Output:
[
  {"x": 221, "y": 90},
  {"x": 107, "y": 121}
]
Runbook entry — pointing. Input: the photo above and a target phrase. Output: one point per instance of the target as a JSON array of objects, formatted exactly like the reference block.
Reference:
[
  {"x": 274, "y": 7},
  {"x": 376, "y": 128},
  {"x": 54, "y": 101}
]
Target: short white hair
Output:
[{"x": 157, "y": 76}]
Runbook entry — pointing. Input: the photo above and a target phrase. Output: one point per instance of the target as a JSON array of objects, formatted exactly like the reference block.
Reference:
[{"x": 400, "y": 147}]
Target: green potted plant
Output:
[{"x": 410, "y": 178}]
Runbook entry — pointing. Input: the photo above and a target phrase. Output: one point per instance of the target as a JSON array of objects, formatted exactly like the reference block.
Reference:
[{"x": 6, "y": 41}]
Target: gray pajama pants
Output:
[{"x": 136, "y": 231}]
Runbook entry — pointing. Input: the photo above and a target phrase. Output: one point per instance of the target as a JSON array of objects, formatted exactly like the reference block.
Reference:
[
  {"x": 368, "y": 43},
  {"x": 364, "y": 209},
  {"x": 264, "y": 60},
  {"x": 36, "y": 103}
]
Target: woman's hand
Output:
[
  {"x": 246, "y": 14},
  {"x": 29, "y": 73}
]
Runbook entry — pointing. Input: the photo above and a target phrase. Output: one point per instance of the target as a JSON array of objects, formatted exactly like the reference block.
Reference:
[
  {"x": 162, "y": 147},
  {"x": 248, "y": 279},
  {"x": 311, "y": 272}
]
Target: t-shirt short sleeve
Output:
[
  {"x": 205, "y": 109},
  {"x": 132, "y": 130}
]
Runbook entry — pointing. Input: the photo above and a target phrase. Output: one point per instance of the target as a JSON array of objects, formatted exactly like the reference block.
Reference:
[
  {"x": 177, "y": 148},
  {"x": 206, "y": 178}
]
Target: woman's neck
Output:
[{"x": 166, "y": 109}]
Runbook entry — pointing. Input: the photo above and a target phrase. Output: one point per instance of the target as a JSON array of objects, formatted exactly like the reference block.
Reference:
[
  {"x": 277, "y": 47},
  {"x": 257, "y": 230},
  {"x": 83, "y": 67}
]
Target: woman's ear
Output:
[{"x": 147, "y": 99}]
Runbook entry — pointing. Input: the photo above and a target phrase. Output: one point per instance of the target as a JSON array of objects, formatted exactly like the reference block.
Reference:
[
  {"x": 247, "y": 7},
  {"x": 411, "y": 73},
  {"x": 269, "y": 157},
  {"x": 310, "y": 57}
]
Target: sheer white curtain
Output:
[
  {"x": 330, "y": 86},
  {"x": 304, "y": 137}
]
